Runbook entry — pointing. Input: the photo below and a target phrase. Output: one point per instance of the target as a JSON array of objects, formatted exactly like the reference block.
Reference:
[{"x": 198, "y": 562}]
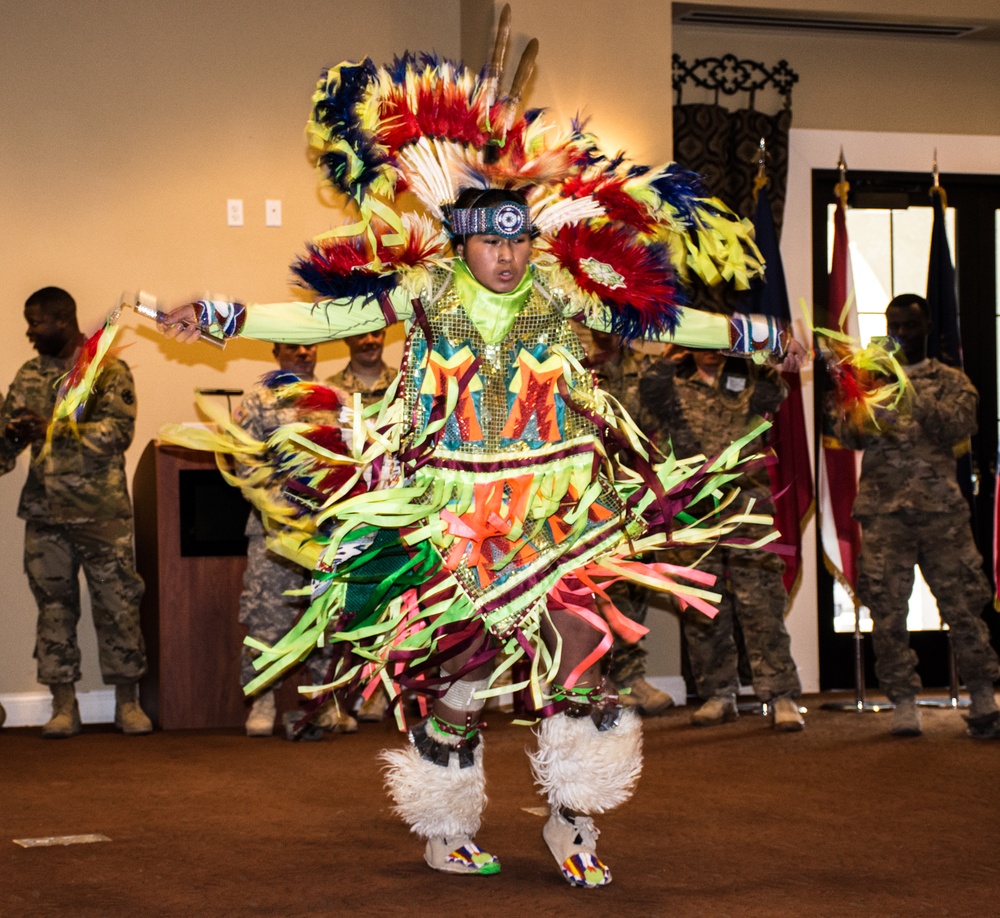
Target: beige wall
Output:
[
  {"x": 128, "y": 123},
  {"x": 866, "y": 83},
  {"x": 607, "y": 62},
  {"x": 126, "y": 126}
]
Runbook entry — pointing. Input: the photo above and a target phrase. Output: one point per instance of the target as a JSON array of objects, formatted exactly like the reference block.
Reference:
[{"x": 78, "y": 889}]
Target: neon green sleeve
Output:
[
  {"x": 742, "y": 334},
  {"x": 324, "y": 320},
  {"x": 696, "y": 328}
]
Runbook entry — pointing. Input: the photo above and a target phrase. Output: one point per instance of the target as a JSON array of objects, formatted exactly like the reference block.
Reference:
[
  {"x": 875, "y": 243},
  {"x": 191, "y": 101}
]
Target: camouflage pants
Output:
[
  {"x": 753, "y": 596},
  {"x": 628, "y": 661},
  {"x": 266, "y": 611},
  {"x": 53, "y": 557},
  {"x": 892, "y": 544}
]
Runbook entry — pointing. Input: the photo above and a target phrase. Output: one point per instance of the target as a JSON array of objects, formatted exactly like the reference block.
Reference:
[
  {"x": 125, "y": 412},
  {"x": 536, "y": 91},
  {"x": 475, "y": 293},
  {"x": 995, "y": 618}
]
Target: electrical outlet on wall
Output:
[{"x": 234, "y": 211}]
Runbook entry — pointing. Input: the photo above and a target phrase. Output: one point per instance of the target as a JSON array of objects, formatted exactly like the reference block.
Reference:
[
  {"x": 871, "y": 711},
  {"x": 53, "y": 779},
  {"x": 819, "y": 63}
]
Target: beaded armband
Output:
[
  {"x": 757, "y": 336},
  {"x": 229, "y": 317}
]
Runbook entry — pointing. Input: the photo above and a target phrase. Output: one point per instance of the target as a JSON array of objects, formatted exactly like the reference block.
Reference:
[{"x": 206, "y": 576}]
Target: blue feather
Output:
[{"x": 343, "y": 286}]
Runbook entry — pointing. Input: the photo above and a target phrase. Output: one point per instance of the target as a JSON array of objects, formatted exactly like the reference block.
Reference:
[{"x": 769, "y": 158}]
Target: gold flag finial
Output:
[
  {"x": 760, "y": 179},
  {"x": 761, "y": 157},
  {"x": 937, "y": 188},
  {"x": 843, "y": 186}
]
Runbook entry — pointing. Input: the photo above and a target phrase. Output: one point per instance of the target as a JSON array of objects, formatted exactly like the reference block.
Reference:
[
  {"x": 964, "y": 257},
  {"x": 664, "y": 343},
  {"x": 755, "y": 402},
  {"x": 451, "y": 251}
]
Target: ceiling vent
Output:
[{"x": 750, "y": 19}]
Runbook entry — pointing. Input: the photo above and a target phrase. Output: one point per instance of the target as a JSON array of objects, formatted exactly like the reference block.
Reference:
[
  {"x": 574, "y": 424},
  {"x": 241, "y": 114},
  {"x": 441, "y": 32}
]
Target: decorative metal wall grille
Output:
[{"x": 729, "y": 75}]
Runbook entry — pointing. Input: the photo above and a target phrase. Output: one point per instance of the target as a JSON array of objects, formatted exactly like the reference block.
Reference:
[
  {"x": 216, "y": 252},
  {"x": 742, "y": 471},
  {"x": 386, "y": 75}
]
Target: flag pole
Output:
[{"x": 759, "y": 181}]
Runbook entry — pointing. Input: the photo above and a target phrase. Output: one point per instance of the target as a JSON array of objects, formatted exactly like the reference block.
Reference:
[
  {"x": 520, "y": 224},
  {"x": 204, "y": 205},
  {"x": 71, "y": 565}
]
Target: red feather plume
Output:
[{"x": 629, "y": 277}]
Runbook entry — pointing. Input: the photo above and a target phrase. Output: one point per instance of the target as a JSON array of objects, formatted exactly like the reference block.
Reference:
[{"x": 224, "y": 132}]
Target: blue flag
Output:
[
  {"x": 768, "y": 294},
  {"x": 944, "y": 341},
  {"x": 791, "y": 473}
]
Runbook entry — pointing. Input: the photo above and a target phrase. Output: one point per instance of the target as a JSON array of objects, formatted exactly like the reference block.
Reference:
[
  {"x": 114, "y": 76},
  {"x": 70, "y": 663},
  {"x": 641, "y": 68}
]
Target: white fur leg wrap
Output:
[
  {"x": 435, "y": 801},
  {"x": 583, "y": 769}
]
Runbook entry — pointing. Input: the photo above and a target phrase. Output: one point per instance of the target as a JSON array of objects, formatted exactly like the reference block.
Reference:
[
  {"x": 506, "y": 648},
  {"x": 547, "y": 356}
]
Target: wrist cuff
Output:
[
  {"x": 755, "y": 334},
  {"x": 228, "y": 317}
]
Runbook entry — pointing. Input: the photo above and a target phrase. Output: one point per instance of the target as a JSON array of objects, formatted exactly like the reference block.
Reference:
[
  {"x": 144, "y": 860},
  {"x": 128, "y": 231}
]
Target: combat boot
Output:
[
  {"x": 984, "y": 718},
  {"x": 906, "y": 717},
  {"x": 373, "y": 708},
  {"x": 720, "y": 709},
  {"x": 129, "y": 717},
  {"x": 982, "y": 701},
  {"x": 649, "y": 700},
  {"x": 785, "y": 715},
  {"x": 260, "y": 720},
  {"x": 335, "y": 719},
  {"x": 65, "y": 720}
]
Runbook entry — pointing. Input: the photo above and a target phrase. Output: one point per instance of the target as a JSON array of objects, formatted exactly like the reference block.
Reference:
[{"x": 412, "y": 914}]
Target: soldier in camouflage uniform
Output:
[
  {"x": 366, "y": 372},
  {"x": 911, "y": 512},
  {"x": 618, "y": 370},
  {"x": 702, "y": 415},
  {"x": 265, "y": 608},
  {"x": 368, "y": 375},
  {"x": 77, "y": 514}
]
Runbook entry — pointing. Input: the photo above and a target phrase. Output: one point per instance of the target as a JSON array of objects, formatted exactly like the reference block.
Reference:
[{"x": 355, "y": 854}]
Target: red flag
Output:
[
  {"x": 791, "y": 474},
  {"x": 838, "y": 467}
]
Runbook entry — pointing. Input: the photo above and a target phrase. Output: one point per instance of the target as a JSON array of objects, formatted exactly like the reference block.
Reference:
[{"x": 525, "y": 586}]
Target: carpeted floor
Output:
[{"x": 841, "y": 820}]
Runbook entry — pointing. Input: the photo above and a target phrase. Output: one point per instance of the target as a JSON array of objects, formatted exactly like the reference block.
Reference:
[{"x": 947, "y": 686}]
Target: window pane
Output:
[{"x": 889, "y": 255}]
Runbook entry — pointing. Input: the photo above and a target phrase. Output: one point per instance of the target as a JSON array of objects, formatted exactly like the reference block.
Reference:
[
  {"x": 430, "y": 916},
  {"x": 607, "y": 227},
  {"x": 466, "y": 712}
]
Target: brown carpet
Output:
[{"x": 841, "y": 820}]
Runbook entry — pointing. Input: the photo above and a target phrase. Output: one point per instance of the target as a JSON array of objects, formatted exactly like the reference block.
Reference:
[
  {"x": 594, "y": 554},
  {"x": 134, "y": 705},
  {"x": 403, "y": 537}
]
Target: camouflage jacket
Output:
[
  {"x": 909, "y": 463},
  {"x": 82, "y": 479},
  {"x": 260, "y": 413},
  {"x": 346, "y": 381},
  {"x": 696, "y": 418},
  {"x": 620, "y": 377}
]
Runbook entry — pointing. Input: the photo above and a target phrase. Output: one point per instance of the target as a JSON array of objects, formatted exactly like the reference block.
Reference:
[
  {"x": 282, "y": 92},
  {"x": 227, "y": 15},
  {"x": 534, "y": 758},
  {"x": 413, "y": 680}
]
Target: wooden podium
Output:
[{"x": 185, "y": 521}]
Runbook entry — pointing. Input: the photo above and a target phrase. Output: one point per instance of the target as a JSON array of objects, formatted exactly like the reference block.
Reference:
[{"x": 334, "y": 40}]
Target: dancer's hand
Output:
[
  {"x": 795, "y": 358},
  {"x": 181, "y": 323}
]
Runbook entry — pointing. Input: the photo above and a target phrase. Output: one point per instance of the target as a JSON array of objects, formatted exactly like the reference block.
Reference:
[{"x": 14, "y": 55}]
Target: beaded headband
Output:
[{"x": 508, "y": 219}]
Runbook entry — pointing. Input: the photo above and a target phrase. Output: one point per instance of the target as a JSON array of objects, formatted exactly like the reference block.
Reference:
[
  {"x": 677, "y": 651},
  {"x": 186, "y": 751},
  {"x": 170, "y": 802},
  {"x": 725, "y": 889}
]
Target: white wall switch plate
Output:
[{"x": 272, "y": 212}]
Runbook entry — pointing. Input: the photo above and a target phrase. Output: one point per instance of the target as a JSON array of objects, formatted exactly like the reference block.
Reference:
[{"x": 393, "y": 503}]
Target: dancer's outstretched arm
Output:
[{"x": 289, "y": 323}]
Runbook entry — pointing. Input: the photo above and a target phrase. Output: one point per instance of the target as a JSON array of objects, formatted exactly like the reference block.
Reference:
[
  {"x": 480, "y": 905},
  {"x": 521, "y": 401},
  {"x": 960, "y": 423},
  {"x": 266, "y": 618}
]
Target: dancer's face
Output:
[{"x": 496, "y": 262}]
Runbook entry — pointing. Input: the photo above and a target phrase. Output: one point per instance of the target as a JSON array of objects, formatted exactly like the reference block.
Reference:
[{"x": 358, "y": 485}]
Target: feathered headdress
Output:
[{"x": 611, "y": 234}]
